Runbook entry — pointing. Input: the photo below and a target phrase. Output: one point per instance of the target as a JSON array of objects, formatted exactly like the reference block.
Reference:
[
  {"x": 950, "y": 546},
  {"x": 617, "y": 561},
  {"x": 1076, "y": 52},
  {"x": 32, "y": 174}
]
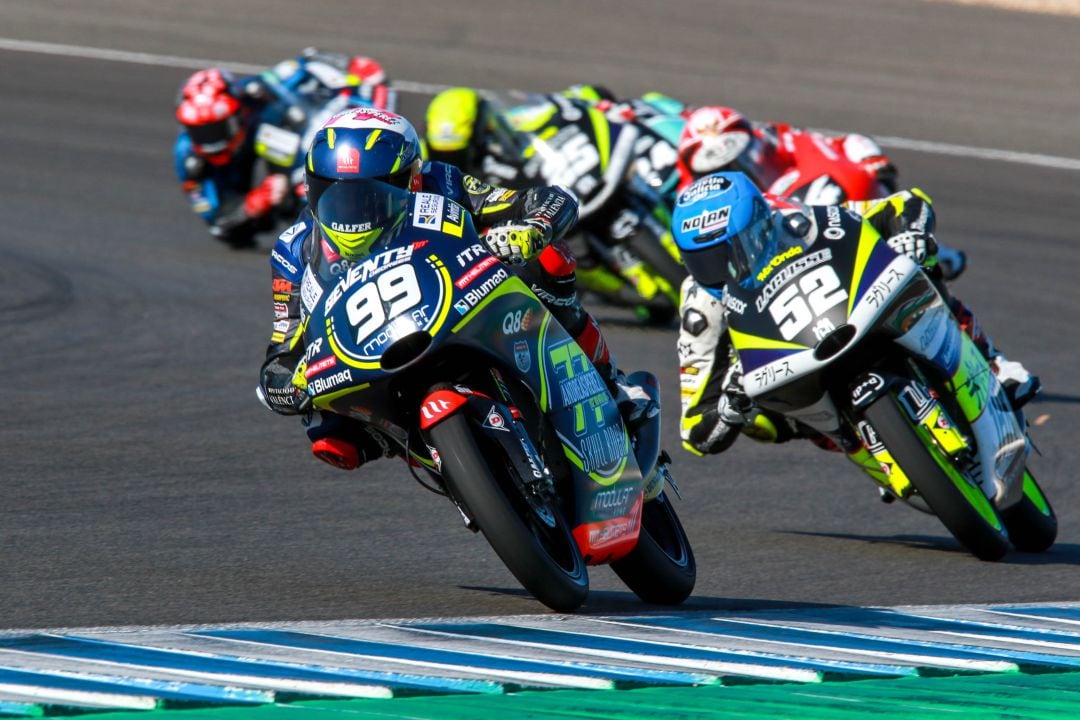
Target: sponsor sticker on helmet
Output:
[
  {"x": 704, "y": 186},
  {"x": 708, "y": 222},
  {"x": 348, "y": 159}
]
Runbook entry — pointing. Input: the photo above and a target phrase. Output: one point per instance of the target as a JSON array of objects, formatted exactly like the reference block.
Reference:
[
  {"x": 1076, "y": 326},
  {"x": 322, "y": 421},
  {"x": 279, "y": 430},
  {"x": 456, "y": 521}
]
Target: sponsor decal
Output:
[
  {"x": 310, "y": 290},
  {"x": 428, "y": 210},
  {"x": 734, "y": 304},
  {"x": 702, "y": 188},
  {"x": 473, "y": 297},
  {"x": 495, "y": 421},
  {"x": 313, "y": 349},
  {"x": 420, "y": 318},
  {"x": 350, "y": 227},
  {"x": 871, "y": 440},
  {"x": 777, "y": 261},
  {"x": 280, "y": 259},
  {"x": 321, "y": 385},
  {"x": 436, "y": 457},
  {"x": 615, "y": 499},
  {"x": 476, "y": 185},
  {"x": 522, "y": 356},
  {"x": 516, "y": 321},
  {"x": 773, "y": 372},
  {"x": 535, "y": 466},
  {"x": 433, "y": 409},
  {"x": 348, "y": 159},
  {"x": 785, "y": 274},
  {"x": 470, "y": 253},
  {"x": 281, "y": 326},
  {"x": 833, "y": 231},
  {"x": 282, "y": 286},
  {"x": 361, "y": 272},
  {"x": 368, "y": 114},
  {"x": 281, "y": 310},
  {"x": 292, "y": 232},
  {"x": 708, "y": 221},
  {"x": 320, "y": 366},
  {"x": 474, "y": 272},
  {"x": 865, "y": 390}
]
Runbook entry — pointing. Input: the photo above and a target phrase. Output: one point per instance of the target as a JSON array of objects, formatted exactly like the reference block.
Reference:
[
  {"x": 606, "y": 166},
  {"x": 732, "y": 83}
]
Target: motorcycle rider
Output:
[
  {"x": 717, "y": 138},
  {"x": 523, "y": 229},
  {"x": 715, "y": 407},
  {"x": 217, "y": 152}
]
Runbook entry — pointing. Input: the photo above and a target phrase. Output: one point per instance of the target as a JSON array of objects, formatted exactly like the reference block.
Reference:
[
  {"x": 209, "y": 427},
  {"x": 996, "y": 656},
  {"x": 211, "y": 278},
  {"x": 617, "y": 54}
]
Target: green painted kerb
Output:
[{"x": 1050, "y": 696}]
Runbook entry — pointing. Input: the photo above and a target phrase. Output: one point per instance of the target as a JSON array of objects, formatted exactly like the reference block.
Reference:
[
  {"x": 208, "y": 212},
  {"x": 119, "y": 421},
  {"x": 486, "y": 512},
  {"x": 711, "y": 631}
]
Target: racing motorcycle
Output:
[
  {"x": 623, "y": 242},
  {"x": 855, "y": 344},
  {"x": 434, "y": 343}
]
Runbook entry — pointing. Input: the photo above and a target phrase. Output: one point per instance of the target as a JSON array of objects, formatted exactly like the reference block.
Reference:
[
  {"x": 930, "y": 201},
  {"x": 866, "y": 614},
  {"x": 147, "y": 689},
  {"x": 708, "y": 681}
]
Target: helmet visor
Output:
[
  {"x": 355, "y": 214},
  {"x": 211, "y": 138}
]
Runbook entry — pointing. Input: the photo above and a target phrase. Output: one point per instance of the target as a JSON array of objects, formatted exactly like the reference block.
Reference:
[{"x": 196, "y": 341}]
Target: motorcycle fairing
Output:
[{"x": 427, "y": 288}]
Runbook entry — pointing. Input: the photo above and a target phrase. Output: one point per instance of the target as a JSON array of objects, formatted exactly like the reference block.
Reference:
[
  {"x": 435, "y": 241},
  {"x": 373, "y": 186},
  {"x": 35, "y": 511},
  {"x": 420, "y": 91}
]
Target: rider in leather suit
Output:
[
  {"x": 524, "y": 230},
  {"x": 714, "y": 406}
]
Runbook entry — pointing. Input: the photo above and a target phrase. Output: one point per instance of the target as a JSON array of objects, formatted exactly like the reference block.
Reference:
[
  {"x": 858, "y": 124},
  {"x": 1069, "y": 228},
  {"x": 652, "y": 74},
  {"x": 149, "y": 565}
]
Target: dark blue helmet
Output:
[
  {"x": 716, "y": 220},
  {"x": 363, "y": 144},
  {"x": 371, "y": 158}
]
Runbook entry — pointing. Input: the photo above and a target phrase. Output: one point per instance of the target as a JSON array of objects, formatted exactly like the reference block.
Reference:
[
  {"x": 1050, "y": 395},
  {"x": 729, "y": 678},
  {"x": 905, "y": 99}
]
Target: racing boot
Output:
[
  {"x": 1020, "y": 385},
  {"x": 343, "y": 442}
]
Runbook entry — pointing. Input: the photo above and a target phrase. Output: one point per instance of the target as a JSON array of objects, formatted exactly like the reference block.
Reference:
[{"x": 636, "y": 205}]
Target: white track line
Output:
[{"x": 408, "y": 86}]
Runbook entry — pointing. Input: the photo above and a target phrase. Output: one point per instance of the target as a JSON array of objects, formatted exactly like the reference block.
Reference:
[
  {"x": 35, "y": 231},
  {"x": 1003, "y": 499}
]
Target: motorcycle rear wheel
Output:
[
  {"x": 1031, "y": 522},
  {"x": 963, "y": 510},
  {"x": 542, "y": 555},
  {"x": 661, "y": 568}
]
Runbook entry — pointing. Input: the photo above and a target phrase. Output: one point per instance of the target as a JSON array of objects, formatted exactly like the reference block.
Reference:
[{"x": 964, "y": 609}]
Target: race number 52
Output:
[{"x": 799, "y": 304}]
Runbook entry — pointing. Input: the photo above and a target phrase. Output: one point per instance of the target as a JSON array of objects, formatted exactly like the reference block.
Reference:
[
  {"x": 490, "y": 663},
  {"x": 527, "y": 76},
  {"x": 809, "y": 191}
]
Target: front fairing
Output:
[{"x": 812, "y": 301}]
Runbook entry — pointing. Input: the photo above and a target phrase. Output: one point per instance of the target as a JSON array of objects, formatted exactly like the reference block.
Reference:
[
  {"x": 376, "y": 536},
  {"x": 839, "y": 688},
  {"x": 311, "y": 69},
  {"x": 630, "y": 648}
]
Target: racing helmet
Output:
[
  {"x": 362, "y": 150},
  {"x": 456, "y": 119},
  {"x": 715, "y": 139},
  {"x": 720, "y": 222},
  {"x": 210, "y": 110}
]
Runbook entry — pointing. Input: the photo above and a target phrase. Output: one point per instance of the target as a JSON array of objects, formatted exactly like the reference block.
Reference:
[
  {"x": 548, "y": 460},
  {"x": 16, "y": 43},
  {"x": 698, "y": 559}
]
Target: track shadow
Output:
[
  {"x": 1046, "y": 398},
  {"x": 1058, "y": 554},
  {"x": 606, "y": 602}
]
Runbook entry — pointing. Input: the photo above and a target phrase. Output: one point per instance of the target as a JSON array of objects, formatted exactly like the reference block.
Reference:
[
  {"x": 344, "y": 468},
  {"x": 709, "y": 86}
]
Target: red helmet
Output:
[
  {"x": 211, "y": 114},
  {"x": 716, "y": 138}
]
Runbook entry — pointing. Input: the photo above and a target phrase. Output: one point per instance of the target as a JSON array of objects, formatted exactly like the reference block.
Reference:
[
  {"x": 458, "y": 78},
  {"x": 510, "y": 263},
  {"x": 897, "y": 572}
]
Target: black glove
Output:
[{"x": 276, "y": 388}]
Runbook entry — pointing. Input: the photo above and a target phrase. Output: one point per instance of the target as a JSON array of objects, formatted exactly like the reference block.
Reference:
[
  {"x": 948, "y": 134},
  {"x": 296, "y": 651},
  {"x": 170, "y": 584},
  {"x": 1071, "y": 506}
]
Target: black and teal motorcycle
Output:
[
  {"x": 433, "y": 342},
  {"x": 854, "y": 342}
]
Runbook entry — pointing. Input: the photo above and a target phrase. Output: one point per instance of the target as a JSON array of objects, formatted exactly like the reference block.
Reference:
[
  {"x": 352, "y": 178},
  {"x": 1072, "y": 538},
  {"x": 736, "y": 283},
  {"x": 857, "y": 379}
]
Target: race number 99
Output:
[
  {"x": 393, "y": 292},
  {"x": 797, "y": 305}
]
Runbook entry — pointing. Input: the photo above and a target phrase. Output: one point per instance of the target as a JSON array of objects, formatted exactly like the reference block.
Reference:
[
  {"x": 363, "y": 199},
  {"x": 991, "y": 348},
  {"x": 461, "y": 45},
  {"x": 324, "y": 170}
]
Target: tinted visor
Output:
[
  {"x": 753, "y": 246},
  {"x": 214, "y": 137},
  {"x": 317, "y": 185},
  {"x": 354, "y": 208},
  {"x": 709, "y": 266}
]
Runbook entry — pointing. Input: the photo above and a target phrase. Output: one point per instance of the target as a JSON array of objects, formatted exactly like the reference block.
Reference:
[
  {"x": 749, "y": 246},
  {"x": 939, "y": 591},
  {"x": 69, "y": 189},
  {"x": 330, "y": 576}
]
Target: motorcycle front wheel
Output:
[
  {"x": 962, "y": 508},
  {"x": 1031, "y": 522},
  {"x": 530, "y": 536},
  {"x": 661, "y": 568}
]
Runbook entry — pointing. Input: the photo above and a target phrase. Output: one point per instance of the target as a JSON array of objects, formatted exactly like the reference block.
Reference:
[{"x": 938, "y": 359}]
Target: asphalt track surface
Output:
[{"x": 141, "y": 483}]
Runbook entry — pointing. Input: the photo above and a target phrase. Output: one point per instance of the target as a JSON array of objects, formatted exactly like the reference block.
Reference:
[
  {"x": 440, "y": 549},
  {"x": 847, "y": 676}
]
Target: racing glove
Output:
[
  {"x": 515, "y": 244},
  {"x": 268, "y": 195},
  {"x": 916, "y": 244},
  {"x": 277, "y": 391}
]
